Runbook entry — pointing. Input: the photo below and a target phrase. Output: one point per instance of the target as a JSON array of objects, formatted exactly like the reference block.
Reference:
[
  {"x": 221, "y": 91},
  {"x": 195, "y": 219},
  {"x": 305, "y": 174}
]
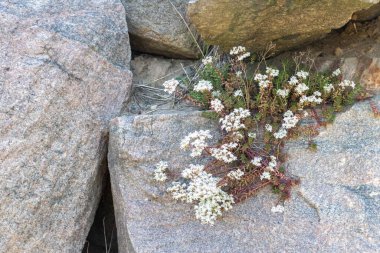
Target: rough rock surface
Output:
[
  {"x": 335, "y": 209},
  {"x": 254, "y": 24},
  {"x": 64, "y": 73},
  {"x": 156, "y": 27}
]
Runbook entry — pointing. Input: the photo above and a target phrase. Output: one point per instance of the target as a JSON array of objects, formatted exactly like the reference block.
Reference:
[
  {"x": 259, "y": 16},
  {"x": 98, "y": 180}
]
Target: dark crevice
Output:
[{"x": 102, "y": 237}]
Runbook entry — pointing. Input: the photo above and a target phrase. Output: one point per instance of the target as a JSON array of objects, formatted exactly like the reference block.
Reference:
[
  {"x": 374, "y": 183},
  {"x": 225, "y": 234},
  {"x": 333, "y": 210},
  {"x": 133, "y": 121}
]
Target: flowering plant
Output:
[{"x": 257, "y": 111}]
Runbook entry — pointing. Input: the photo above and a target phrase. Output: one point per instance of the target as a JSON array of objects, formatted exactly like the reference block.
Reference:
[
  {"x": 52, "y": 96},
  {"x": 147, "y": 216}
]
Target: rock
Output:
[
  {"x": 64, "y": 73},
  {"x": 154, "y": 71},
  {"x": 367, "y": 14},
  {"x": 156, "y": 27},
  {"x": 255, "y": 24},
  {"x": 335, "y": 209}
]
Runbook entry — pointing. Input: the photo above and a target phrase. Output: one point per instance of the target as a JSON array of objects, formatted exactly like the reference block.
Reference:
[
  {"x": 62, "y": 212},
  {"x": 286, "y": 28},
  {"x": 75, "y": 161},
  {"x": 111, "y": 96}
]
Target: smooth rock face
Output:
[
  {"x": 64, "y": 73},
  {"x": 255, "y": 24},
  {"x": 335, "y": 209},
  {"x": 156, "y": 27}
]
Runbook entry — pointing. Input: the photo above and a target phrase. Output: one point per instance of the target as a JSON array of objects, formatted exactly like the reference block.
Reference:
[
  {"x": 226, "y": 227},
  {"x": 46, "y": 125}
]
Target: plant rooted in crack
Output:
[{"x": 257, "y": 111}]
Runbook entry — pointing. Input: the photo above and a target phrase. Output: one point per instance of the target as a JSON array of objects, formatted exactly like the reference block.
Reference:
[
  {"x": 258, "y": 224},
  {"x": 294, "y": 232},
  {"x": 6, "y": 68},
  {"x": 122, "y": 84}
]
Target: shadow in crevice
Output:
[{"x": 102, "y": 237}]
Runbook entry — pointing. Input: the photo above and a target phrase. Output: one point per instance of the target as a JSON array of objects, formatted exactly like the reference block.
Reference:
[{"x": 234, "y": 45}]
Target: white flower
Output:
[
  {"x": 237, "y": 174},
  {"x": 268, "y": 127},
  {"x": 263, "y": 80},
  {"x": 252, "y": 135},
  {"x": 302, "y": 74},
  {"x": 289, "y": 120},
  {"x": 243, "y": 56},
  {"x": 159, "y": 172},
  {"x": 278, "y": 209},
  {"x": 237, "y": 50},
  {"x": 310, "y": 99},
  {"x": 193, "y": 171},
  {"x": 196, "y": 141},
  {"x": 224, "y": 152},
  {"x": 238, "y": 73},
  {"x": 217, "y": 105},
  {"x": 257, "y": 161},
  {"x": 336, "y": 72},
  {"x": 283, "y": 93},
  {"x": 203, "y": 85},
  {"x": 207, "y": 60},
  {"x": 293, "y": 81},
  {"x": 216, "y": 94},
  {"x": 347, "y": 83},
  {"x": 328, "y": 88},
  {"x": 178, "y": 191},
  {"x": 272, "y": 72},
  {"x": 238, "y": 93},
  {"x": 273, "y": 162},
  {"x": 232, "y": 121},
  {"x": 301, "y": 88},
  {"x": 317, "y": 93},
  {"x": 281, "y": 133},
  {"x": 170, "y": 86},
  {"x": 265, "y": 175}
]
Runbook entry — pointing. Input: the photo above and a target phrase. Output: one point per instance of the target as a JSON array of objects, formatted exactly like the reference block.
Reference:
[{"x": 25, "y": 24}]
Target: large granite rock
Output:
[
  {"x": 156, "y": 27},
  {"x": 335, "y": 209},
  {"x": 254, "y": 24},
  {"x": 64, "y": 73}
]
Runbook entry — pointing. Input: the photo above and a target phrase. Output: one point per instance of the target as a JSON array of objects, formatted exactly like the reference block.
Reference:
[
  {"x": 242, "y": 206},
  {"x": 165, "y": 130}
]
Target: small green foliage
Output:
[
  {"x": 199, "y": 97},
  {"x": 312, "y": 146},
  {"x": 210, "y": 115}
]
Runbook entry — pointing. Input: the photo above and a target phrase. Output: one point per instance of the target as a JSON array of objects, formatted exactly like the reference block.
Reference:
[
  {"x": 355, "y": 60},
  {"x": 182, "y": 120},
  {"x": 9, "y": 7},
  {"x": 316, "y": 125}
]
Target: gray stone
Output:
[
  {"x": 64, "y": 73},
  {"x": 254, "y": 24},
  {"x": 157, "y": 28},
  {"x": 335, "y": 209},
  {"x": 367, "y": 14}
]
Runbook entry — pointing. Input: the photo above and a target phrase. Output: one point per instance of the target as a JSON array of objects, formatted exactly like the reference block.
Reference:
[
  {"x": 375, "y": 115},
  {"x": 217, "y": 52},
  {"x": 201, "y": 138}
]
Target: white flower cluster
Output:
[
  {"x": 252, "y": 135},
  {"x": 236, "y": 174},
  {"x": 336, "y": 72},
  {"x": 301, "y": 88},
  {"x": 216, "y": 93},
  {"x": 238, "y": 93},
  {"x": 216, "y": 105},
  {"x": 262, "y": 80},
  {"x": 159, "y": 172},
  {"x": 268, "y": 127},
  {"x": 302, "y": 74},
  {"x": 289, "y": 121},
  {"x": 293, "y": 81},
  {"x": 257, "y": 161},
  {"x": 207, "y": 60},
  {"x": 232, "y": 121},
  {"x": 283, "y": 92},
  {"x": 347, "y": 83},
  {"x": 272, "y": 72},
  {"x": 273, "y": 163},
  {"x": 278, "y": 209},
  {"x": 203, "y": 85},
  {"x": 224, "y": 152},
  {"x": 170, "y": 86},
  {"x": 328, "y": 88},
  {"x": 237, "y": 50},
  {"x": 240, "y": 52},
  {"x": 196, "y": 141},
  {"x": 315, "y": 98},
  {"x": 265, "y": 175},
  {"x": 212, "y": 200}
]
